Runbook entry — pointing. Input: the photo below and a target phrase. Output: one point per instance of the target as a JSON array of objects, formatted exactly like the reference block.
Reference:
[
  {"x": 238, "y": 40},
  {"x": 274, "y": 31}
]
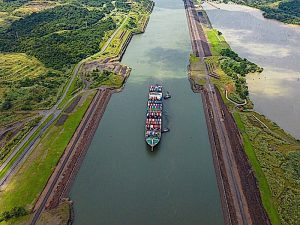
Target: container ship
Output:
[{"x": 154, "y": 115}]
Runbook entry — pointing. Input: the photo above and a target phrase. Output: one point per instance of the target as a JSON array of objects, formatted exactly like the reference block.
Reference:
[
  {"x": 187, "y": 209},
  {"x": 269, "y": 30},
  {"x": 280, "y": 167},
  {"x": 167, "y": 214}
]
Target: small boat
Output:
[
  {"x": 154, "y": 116},
  {"x": 167, "y": 96},
  {"x": 165, "y": 130}
]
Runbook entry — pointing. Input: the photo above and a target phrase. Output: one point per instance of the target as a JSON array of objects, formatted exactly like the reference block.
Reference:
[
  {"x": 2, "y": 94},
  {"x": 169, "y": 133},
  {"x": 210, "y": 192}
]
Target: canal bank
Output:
[
  {"x": 120, "y": 181},
  {"x": 241, "y": 201},
  {"x": 273, "y": 46},
  {"x": 274, "y": 154}
]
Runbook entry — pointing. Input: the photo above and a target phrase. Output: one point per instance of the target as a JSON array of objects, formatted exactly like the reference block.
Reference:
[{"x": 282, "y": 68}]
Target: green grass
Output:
[
  {"x": 216, "y": 41},
  {"x": 197, "y": 70},
  {"x": 11, "y": 162},
  {"x": 16, "y": 66},
  {"x": 59, "y": 215},
  {"x": 116, "y": 44},
  {"x": 26, "y": 185},
  {"x": 273, "y": 154},
  {"x": 6, "y": 19},
  {"x": 194, "y": 59},
  {"x": 35, "y": 7},
  {"x": 74, "y": 87},
  {"x": 112, "y": 81},
  {"x": 10, "y": 144},
  {"x": 264, "y": 188},
  {"x": 24, "y": 220}
]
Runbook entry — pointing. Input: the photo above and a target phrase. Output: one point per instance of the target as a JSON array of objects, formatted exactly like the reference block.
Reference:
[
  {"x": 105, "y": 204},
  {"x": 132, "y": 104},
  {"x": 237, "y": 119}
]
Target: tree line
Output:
[
  {"x": 237, "y": 68},
  {"x": 287, "y": 11},
  {"x": 58, "y": 37}
]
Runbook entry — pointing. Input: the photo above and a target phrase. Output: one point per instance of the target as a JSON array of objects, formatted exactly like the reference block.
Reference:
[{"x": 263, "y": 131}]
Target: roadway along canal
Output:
[
  {"x": 120, "y": 181},
  {"x": 275, "y": 47}
]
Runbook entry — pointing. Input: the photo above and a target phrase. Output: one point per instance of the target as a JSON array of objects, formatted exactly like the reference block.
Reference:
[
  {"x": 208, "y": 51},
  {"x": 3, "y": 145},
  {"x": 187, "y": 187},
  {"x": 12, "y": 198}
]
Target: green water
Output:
[{"x": 121, "y": 182}]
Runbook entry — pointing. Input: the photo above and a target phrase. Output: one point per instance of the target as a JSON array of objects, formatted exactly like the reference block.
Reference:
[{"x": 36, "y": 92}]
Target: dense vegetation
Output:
[
  {"x": 14, "y": 213},
  {"x": 237, "y": 68},
  {"x": 10, "y": 5},
  {"x": 105, "y": 78},
  {"x": 32, "y": 93},
  {"x": 37, "y": 52},
  {"x": 58, "y": 37},
  {"x": 274, "y": 155},
  {"x": 287, "y": 11},
  {"x": 275, "y": 158}
]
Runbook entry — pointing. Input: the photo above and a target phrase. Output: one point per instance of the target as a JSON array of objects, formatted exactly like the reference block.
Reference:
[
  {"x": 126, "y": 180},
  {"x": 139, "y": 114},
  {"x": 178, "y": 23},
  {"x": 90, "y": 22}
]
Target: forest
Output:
[
  {"x": 58, "y": 37},
  {"x": 237, "y": 68},
  {"x": 287, "y": 11}
]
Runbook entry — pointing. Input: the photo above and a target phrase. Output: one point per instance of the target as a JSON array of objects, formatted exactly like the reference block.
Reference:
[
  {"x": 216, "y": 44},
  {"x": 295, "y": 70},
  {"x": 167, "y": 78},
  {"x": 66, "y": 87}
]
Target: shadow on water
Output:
[{"x": 120, "y": 180}]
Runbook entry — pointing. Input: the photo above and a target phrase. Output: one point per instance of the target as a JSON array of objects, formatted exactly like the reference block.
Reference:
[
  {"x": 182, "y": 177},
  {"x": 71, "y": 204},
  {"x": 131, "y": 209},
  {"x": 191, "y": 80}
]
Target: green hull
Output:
[
  {"x": 152, "y": 141},
  {"x": 154, "y": 116}
]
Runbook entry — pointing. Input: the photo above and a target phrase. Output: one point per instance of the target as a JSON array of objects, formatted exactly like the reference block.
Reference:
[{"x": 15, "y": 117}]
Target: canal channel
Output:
[{"x": 120, "y": 180}]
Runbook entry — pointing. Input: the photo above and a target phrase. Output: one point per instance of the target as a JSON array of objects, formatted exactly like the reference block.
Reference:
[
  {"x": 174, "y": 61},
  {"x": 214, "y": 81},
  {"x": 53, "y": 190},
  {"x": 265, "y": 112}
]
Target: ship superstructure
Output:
[{"x": 154, "y": 115}]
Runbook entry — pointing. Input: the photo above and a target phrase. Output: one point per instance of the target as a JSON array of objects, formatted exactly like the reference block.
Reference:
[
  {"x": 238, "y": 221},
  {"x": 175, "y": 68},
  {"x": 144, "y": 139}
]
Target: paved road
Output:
[
  {"x": 55, "y": 111},
  {"x": 113, "y": 35},
  {"x": 193, "y": 29},
  {"x": 27, "y": 150},
  {"x": 65, "y": 160},
  {"x": 239, "y": 200},
  {"x": 51, "y": 187}
]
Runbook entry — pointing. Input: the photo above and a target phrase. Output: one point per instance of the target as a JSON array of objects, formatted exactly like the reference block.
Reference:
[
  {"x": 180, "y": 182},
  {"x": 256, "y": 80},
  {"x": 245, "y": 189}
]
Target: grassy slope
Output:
[
  {"x": 266, "y": 194},
  {"x": 268, "y": 151},
  {"x": 59, "y": 215},
  {"x": 197, "y": 70},
  {"x": 26, "y": 185},
  {"x": 15, "y": 66},
  {"x": 29, "y": 181},
  {"x": 10, "y": 12},
  {"x": 11, "y": 162},
  {"x": 217, "y": 42}
]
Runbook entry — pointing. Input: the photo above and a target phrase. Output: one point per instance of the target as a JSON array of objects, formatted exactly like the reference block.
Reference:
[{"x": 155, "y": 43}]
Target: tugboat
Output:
[
  {"x": 167, "y": 96},
  {"x": 154, "y": 116}
]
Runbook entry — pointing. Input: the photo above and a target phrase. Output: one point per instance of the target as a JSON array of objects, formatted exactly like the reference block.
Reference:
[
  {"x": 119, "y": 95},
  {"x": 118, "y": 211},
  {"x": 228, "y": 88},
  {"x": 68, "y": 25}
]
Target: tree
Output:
[{"x": 6, "y": 105}]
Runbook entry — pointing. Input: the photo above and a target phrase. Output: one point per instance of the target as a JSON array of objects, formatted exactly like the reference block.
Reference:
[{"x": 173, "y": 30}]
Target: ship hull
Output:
[{"x": 153, "y": 125}]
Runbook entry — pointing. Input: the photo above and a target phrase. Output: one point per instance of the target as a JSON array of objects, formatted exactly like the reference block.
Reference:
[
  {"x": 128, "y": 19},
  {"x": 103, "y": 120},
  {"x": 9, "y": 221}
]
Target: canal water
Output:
[
  {"x": 121, "y": 182},
  {"x": 272, "y": 45}
]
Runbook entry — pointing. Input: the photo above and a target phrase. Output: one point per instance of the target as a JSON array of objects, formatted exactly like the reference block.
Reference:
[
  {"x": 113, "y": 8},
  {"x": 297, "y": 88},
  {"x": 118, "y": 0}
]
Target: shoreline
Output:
[
  {"x": 270, "y": 150},
  {"x": 239, "y": 206},
  {"x": 251, "y": 9},
  {"x": 60, "y": 182}
]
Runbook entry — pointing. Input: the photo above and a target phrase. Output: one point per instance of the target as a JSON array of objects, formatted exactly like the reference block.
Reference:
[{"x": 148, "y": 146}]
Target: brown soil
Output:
[
  {"x": 223, "y": 185},
  {"x": 249, "y": 182},
  {"x": 72, "y": 106},
  {"x": 61, "y": 215},
  {"x": 70, "y": 162},
  {"x": 237, "y": 184},
  {"x": 62, "y": 119},
  {"x": 59, "y": 183},
  {"x": 250, "y": 189}
]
